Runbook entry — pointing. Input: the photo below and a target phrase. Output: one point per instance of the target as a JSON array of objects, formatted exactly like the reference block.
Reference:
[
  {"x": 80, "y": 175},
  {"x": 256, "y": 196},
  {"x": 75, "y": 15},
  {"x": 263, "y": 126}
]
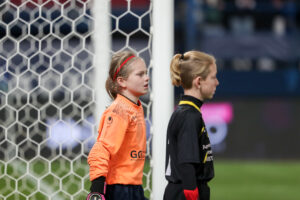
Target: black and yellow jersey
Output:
[{"x": 188, "y": 142}]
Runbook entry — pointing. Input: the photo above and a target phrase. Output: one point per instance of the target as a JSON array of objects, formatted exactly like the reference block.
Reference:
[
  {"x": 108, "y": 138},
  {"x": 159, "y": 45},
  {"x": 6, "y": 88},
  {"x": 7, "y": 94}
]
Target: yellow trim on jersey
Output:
[
  {"x": 190, "y": 103},
  {"x": 202, "y": 129},
  {"x": 205, "y": 157}
]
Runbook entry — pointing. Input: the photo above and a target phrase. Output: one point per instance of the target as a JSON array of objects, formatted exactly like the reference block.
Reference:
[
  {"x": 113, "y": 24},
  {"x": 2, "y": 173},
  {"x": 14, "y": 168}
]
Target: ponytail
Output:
[
  {"x": 175, "y": 69},
  {"x": 111, "y": 88}
]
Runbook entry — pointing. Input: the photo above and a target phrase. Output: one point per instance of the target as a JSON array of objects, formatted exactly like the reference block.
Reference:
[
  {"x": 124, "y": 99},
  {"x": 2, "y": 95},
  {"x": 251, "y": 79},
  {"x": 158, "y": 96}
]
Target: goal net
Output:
[{"x": 48, "y": 100}]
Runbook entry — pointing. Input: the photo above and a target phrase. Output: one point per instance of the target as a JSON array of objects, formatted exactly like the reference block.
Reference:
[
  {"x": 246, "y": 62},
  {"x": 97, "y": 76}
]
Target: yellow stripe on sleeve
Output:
[{"x": 205, "y": 157}]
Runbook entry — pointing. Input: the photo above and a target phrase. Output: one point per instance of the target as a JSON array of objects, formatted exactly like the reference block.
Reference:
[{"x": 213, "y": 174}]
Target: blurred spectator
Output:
[
  {"x": 245, "y": 4},
  {"x": 252, "y": 15},
  {"x": 257, "y": 34},
  {"x": 242, "y": 64},
  {"x": 265, "y": 64},
  {"x": 239, "y": 16},
  {"x": 286, "y": 11},
  {"x": 279, "y": 25},
  {"x": 212, "y": 11}
]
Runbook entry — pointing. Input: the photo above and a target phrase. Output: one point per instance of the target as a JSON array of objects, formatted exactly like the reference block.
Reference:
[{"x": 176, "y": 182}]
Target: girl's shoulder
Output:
[
  {"x": 118, "y": 109},
  {"x": 186, "y": 112}
]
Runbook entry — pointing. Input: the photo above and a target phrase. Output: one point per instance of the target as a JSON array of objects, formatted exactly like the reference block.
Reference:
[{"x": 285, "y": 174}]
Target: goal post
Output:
[
  {"x": 102, "y": 41},
  {"x": 163, "y": 97}
]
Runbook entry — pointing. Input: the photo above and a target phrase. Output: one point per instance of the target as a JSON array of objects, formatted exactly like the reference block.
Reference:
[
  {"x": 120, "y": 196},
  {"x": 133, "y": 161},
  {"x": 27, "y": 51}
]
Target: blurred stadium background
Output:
[{"x": 47, "y": 92}]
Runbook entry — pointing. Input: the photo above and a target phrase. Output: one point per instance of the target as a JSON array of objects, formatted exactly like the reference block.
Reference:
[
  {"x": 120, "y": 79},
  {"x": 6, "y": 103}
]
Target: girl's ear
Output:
[
  {"x": 121, "y": 82},
  {"x": 197, "y": 82}
]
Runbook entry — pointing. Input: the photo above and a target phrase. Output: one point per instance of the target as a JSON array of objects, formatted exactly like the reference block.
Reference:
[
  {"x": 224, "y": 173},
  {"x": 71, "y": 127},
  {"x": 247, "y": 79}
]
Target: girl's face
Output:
[
  {"x": 136, "y": 84},
  {"x": 209, "y": 85}
]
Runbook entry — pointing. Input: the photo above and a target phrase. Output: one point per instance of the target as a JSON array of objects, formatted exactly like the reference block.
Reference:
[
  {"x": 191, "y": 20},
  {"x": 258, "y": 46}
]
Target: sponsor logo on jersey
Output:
[{"x": 140, "y": 155}]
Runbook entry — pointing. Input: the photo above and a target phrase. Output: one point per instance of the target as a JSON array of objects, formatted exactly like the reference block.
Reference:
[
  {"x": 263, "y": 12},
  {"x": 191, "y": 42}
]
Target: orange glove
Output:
[{"x": 191, "y": 194}]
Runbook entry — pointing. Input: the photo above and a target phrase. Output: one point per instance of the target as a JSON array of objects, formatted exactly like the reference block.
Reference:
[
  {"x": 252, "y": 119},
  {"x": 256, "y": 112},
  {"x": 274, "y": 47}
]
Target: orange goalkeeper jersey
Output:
[{"x": 119, "y": 152}]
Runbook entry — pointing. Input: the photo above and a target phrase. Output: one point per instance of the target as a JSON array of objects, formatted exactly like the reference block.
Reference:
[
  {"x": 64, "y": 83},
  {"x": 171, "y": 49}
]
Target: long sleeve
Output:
[
  {"x": 112, "y": 131},
  {"x": 187, "y": 139},
  {"x": 188, "y": 175}
]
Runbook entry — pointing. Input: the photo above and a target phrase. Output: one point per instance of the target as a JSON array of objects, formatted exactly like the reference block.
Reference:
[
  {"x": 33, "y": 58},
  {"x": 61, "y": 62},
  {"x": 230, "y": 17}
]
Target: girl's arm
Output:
[
  {"x": 189, "y": 183},
  {"x": 111, "y": 136}
]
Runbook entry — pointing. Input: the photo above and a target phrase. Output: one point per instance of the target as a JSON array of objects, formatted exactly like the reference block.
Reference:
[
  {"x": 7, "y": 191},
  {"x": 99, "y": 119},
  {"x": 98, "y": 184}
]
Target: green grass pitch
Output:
[
  {"x": 256, "y": 180},
  {"x": 234, "y": 180}
]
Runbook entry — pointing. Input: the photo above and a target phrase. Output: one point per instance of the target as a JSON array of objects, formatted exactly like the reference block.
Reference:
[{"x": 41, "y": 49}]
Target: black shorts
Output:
[
  {"x": 174, "y": 191},
  {"x": 124, "y": 192}
]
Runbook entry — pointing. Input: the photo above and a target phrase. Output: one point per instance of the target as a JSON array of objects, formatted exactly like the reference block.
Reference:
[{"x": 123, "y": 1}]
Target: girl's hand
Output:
[
  {"x": 191, "y": 194},
  {"x": 95, "y": 196}
]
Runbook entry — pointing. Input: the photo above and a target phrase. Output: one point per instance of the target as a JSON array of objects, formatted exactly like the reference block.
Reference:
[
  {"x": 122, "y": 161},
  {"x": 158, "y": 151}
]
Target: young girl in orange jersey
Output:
[
  {"x": 117, "y": 158},
  {"x": 189, "y": 159}
]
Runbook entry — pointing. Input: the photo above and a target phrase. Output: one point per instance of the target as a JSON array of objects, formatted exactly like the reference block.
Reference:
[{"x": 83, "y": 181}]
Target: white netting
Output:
[{"x": 47, "y": 92}]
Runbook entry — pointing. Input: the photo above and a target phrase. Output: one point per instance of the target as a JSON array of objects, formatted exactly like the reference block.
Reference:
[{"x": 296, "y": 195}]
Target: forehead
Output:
[
  {"x": 213, "y": 68},
  {"x": 138, "y": 64}
]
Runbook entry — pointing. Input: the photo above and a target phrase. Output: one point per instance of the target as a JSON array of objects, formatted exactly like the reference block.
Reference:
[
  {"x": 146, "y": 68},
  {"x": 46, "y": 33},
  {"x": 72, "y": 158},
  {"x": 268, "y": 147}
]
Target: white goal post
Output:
[
  {"x": 102, "y": 41},
  {"x": 163, "y": 97}
]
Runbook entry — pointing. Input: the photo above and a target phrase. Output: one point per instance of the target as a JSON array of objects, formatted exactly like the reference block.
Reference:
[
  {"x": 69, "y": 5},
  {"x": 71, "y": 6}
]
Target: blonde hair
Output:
[
  {"x": 185, "y": 67},
  {"x": 111, "y": 85}
]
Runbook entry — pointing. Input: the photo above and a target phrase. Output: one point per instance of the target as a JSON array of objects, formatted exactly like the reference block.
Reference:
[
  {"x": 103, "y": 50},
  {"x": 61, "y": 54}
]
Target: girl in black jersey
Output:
[{"x": 189, "y": 159}]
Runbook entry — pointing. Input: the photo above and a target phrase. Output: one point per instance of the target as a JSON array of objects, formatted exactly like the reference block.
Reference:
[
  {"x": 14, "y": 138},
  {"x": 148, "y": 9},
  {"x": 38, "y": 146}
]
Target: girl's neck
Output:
[
  {"x": 193, "y": 93},
  {"x": 131, "y": 97}
]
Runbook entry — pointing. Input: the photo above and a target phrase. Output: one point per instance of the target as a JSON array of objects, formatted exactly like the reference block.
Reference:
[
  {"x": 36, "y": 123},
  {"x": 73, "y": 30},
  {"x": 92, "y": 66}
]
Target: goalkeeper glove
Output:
[
  {"x": 98, "y": 188},
  {"x": 95, "y": 196}
]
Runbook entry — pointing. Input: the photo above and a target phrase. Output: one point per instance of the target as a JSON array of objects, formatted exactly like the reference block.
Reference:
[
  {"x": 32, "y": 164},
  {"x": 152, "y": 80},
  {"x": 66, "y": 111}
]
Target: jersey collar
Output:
[
  {"x": 187, "y": 99},
  {"x": 136, "y": 105}
]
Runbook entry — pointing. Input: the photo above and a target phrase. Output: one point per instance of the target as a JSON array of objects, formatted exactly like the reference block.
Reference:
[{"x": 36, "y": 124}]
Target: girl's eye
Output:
[{"x": 142, "y": 74}]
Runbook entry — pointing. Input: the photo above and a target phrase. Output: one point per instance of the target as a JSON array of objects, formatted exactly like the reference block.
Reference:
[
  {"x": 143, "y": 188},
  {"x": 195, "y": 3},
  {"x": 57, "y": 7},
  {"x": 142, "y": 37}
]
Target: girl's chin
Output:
[
  {"x": 146, "y": 90},
  {"x": 142, "y": 93}
]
